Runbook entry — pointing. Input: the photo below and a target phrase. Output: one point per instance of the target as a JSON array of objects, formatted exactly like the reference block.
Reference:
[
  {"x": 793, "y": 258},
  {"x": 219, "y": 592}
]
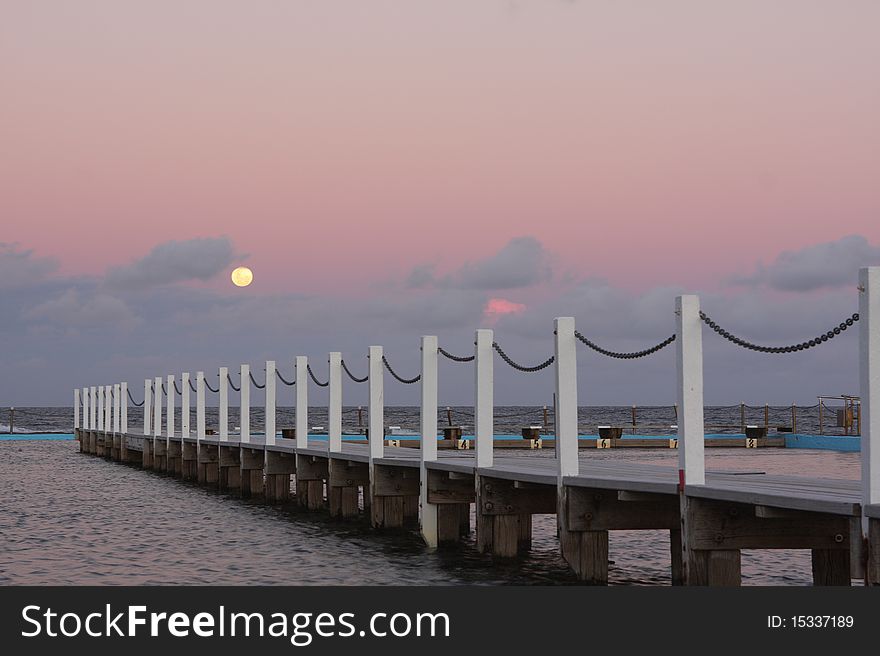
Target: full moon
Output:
[{"x": 242, "y": 277}]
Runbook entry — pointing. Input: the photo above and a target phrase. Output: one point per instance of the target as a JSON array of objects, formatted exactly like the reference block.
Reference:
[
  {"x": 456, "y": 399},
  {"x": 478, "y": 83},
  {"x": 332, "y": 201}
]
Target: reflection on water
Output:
[{"x": 67, "y": 518}]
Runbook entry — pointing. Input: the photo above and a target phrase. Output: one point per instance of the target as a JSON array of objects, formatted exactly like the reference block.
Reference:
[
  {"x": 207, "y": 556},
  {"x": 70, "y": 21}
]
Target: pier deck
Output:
[{"x": 733, "y": 510}]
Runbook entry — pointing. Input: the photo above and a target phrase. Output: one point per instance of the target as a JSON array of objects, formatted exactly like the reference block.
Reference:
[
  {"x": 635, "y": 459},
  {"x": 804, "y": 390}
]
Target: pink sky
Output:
[{"x": 339, "y": 144}]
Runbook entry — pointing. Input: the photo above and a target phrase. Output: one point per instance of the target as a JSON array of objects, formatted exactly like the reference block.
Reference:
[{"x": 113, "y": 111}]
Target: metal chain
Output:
[
  {"x": 821, "y": 339},
  {"x": 132, "y": 398},
  {"x": 256, "y": 384},
  {"x": 352, "y": 376},
  {"x": 208, "y": 385},
  {"x": 625, "y": 356},
  {"x": 191, "y": 386},
  {"x": 284, "y": 380},
  {"x": 546, "y": 363},
  {"x": 164, "y": 393},
  {"x": 405, "y": 381},
  {"x": 455, "y": 358},
  {"x": 312, "y": 376},
  {"x": 231, "y": 384},
  {"x": 177, "y": 389}
]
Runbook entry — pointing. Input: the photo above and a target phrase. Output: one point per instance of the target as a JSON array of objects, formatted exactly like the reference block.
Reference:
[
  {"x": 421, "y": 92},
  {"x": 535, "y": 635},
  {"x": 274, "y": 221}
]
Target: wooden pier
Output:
[{"x": 711, "y": 516}]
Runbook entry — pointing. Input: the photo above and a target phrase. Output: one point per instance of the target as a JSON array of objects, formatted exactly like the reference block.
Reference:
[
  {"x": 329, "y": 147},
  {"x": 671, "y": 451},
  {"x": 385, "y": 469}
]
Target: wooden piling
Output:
[
  {"x": 279, "y": 467},
  {"x": 311, "y": 472},
  {"x": 251, "y": 464}
]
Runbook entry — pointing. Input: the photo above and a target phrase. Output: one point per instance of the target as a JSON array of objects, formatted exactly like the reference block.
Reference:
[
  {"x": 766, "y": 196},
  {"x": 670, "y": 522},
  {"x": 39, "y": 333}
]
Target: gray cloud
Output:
[
  {"x": 73, "y": 310},
  {"x": 522, "y": 262},
  {"x": 174, "y": 261},
  {"x": 829, "y": 264},
  {"x": 20, "y": 268}
]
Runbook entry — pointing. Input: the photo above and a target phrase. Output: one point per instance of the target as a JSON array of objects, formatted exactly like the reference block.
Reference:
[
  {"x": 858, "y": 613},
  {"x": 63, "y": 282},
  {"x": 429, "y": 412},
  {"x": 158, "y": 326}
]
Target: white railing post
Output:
[
  {"x": 148, "y": 404},
  {"x": 223, "y": 410},
  {"x": 566, "y": 399},
  {"x": 200, "y": 406},
  {"x": 100, "y": 392},
  {"x": 123, "y": 395},
  {"x": 428, "y": 514},
  {"x": 157, "y": 407},
  {"x": 108, "y": 408},
  {"x": 93, "y": 407},
  {"x": 76, "y": 408},
  {"x": 169, "y": 419},
  {"x": 484, "y": 409},
  {"x": 117, "y": 407},
  {"x": 270, "y": 402},
  {"x": 334, "y": 413},
  {"x": 184, "y": 405},
  {"x": 244, "y": 396},
  {"x": 302, "y": 402},
  {"x": 869, "y": 385},
  {"x": 376, "y": 423},
  {"x": 689, "y": 369},
  {"x": 85, "y": 408}
]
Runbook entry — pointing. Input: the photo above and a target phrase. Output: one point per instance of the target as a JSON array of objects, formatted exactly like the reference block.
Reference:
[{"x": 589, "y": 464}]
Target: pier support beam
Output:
[
  {"x": 173, "y": 457},
  {"x": 590, "y": 513},
  {"x": 504, "y": 513},
  {"x": 189, "y": 461},
  {"x": 230, "y": 468},
  {"x": 395, "y": 495},
  {"x": 279, "y": 467},
  {"x": 452, "y": 494},
  {"x": 147, "y": 453},
  {"x": 719, "y": 530},
  {"x": 344, "y": 479},
  {"x": 208, "y": 464},
  {"x": 252, "y": 462},
  {"x": 311, "y": 472},
  {"x": 872, "y": 573},
  {"x": 160, "y": 454}
]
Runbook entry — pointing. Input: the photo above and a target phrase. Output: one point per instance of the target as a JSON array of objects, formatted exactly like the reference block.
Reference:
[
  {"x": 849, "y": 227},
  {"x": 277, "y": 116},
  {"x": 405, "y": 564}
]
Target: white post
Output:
[
  {"x": 200, "y": 406},
  {"x": 123, "y": 396},
  {"x": 85, "y": 408},
  {"x": 869, "y": 385},
  {"x": 566, "y": 399},
  {"x": 689, "y": 369},
  {"x": 244, "y": 396},
  {"x": 270, "y": 402},
  {"x": 376, "y": 424},
  {"x": 157, "y": 407},
  {"x": 93, "y": 407},
  {"x": 302, "y": 402},
  {"x": 100, "y": 391},
  {"x": 76, "y": 408},
  {"x": 485, "y": 403},
  {"x": 169, "y": 420},
  {"x": 334, "y": 412},
  {"x": 428, "y": 514},
  {"x": 223, "y": 410},
  {"x": 108, "y": 408},
  {"x": 148, "y": 401},
  {"x": 184, "y": 405},
  {"x": 117, "y": 407}
]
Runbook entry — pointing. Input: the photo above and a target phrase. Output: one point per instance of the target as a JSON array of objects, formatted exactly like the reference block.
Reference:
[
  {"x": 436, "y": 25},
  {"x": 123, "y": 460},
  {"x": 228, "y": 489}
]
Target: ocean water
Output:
[{"x": 67, "y": 518}]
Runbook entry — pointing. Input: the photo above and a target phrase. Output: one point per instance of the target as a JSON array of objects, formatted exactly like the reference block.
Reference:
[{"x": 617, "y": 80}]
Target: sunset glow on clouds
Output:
[
  {"x": 496, "y": 307},
  {"x": 395, "y": 169}
]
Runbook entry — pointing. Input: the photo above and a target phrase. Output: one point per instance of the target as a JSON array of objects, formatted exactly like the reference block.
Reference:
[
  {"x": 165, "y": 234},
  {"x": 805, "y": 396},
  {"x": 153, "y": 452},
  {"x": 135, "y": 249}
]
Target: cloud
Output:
[
  {"x": 829, "y": 264},
  {"x": 522, "y": 262},
  {"x": 20, "y": 268},
  {"x": 498, "y": 307},
  {"x": 174, "y": 261},
  {"x": 73, "y": 309}
]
